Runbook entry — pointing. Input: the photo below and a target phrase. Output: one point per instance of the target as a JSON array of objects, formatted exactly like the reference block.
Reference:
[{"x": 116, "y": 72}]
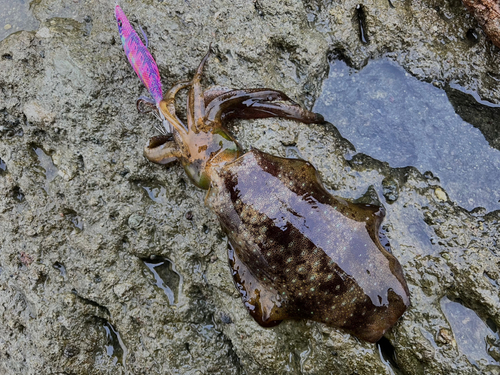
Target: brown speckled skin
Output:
[
  {"x": 299, "y": 252},
  {"x": 296, "y": 251}
]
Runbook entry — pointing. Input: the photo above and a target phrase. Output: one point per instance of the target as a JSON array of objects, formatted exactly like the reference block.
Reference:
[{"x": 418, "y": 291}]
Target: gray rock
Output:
[{"x": 72, "y": 202}]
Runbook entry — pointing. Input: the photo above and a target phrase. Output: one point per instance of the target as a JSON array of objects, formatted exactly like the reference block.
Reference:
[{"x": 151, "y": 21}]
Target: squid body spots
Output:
[{"x": 301, "y": 270}]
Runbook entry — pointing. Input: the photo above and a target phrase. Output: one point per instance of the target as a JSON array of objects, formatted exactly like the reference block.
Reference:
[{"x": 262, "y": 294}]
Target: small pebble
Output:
[
  {"x": 134, "y": 221},
  {"x": 440, "y": 194}
]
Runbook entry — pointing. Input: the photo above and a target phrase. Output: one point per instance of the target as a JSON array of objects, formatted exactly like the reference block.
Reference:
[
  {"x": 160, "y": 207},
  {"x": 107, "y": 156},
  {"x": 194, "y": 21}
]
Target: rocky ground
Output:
[{"x": 85, "y": 219}]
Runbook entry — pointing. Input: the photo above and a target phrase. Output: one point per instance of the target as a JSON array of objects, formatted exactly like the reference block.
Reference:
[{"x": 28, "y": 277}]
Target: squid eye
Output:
[{"x": 120, "y": 23}]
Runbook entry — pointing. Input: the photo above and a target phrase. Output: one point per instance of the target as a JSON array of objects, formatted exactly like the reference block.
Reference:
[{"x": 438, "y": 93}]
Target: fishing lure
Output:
[
  {"x": 296, "y": 251},
  {"x": 141, "y": 60}
]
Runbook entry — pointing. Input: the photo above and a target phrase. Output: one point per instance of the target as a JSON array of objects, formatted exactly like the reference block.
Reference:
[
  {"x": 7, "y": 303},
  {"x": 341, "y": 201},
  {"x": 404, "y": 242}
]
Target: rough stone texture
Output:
[{"x": 80, "y": 208}]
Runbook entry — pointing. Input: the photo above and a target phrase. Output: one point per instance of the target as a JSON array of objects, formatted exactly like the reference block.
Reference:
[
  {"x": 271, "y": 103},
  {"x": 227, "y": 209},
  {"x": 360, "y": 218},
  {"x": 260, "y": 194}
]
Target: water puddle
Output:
[
  {"x": 292, "y": 152},
  {"x": 156, "y": 193},
  {"x": 474, "y": 338},
  {"x": 3, "y": 167},
  {"x": 61, "y": 268},
  {"x": 77, "y": 221},
  {"x": 304, "y": 355},
  {"x": 166, "y": 278},
  {"x": 16, "y": 15},
  {"x": 17, "y": 194},
  {"x": 387, "y": 355},
  {"x": 206, "y": 330},
  {"x": 74, "y": 219},
  {"x": 46, "y": 167},
  {"x": 115, "y": 348},
  {"x": 391, "y": 116}
]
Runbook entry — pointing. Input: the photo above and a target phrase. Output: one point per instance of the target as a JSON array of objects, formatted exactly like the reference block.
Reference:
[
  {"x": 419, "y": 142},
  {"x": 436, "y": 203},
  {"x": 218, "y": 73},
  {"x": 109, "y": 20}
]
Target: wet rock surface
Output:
[
  {"x": 487, "y": 13},
  {"x": 85, "y": 219}
]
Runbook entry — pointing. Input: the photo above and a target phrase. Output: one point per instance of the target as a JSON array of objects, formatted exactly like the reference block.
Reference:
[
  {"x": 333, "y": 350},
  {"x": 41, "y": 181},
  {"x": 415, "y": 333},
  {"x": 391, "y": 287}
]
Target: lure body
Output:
[
  {"x": 296, "y": 251},
  {"x": 139, "y": 56}
]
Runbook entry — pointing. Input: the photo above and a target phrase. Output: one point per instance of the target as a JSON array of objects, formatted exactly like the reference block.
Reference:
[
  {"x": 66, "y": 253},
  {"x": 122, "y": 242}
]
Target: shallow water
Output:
[
  {"x": 3, "y": 167},
  {"x": 391, "y": 116},
  {"x": 115, "y": 348},
  {"x": 166, "y": 278},
  {"x": 15, "y": 15},
  {"x": 474, "y": 338}
]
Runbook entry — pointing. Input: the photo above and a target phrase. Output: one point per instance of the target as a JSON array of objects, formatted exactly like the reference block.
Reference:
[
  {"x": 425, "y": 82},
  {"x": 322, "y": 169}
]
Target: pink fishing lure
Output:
[{"x": 139, "y": 56}]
